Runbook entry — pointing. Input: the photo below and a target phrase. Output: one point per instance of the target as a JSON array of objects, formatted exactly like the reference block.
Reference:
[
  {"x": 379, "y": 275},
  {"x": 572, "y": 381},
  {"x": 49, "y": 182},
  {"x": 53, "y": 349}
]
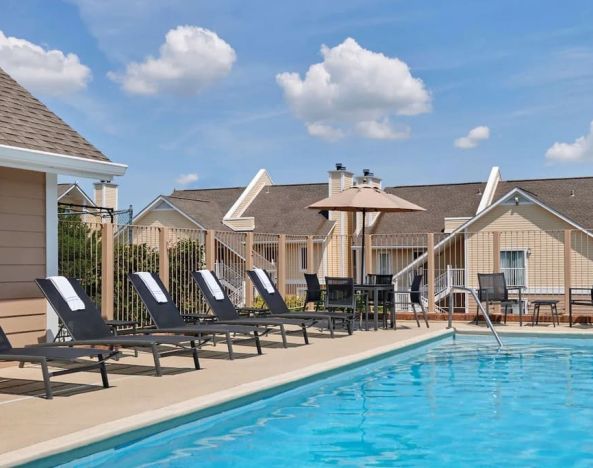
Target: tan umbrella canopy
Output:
[{"x": 365, "y": 198}]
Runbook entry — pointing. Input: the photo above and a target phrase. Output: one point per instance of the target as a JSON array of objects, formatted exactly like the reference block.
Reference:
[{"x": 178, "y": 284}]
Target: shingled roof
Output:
[
  {"x": 573, "y": 198},
  {"x": 206, "y": 207},
  {"x": 440, "y": 201},
  {"x": 282, "y": 209},
  {"x": 278, "y": 209},
  {"x": 27, "y": 123}
]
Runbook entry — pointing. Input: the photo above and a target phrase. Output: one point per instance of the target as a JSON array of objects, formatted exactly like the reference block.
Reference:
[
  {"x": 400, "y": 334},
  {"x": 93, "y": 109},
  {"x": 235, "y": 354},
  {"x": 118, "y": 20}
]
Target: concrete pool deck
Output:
[{"x": 82, "y": 412}]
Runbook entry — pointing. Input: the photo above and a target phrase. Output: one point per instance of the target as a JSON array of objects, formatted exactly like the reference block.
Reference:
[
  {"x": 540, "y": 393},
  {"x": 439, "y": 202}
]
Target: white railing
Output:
[{"x": 233, "y": 280}]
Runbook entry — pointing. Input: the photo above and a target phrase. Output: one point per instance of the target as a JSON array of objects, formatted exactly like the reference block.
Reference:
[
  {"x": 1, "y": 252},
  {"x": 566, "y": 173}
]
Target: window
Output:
[
  {"x": 513, "y": 264},
  {"x": 304, "y": 259},
  {"x": 384, "y": 264}
]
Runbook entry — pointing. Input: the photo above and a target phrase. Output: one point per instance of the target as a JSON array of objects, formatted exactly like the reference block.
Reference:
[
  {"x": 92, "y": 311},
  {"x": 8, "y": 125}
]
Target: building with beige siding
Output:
[
  {"x": 513, "y": 226},
  {"x": 35, "y": 146}
]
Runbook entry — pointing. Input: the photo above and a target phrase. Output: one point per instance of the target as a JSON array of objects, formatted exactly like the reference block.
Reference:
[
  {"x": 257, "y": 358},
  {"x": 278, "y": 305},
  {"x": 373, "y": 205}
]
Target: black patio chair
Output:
[
  {"x": 493, "y": 289},
  {"x": 225, "y": 311},
  {"x": 386, "y": 298},
  {"x": 415, "y": 299},
  {"x": 314, "y": 293},
  {"x": 587, "y": 302},
  {"x": 87, "y": 328},
  {"x": 45, "y": 356},
  {"x": 167, "y": 318},
  {"x": 278, "y": 308}
]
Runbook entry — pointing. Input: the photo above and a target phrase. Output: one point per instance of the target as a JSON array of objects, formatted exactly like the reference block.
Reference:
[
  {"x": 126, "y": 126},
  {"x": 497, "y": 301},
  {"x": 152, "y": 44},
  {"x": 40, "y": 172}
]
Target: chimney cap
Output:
[{"x": 340, "y": 167}]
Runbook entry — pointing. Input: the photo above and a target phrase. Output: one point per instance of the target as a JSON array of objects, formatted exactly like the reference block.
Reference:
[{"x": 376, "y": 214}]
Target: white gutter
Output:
[{"x": 53, "y": 163}]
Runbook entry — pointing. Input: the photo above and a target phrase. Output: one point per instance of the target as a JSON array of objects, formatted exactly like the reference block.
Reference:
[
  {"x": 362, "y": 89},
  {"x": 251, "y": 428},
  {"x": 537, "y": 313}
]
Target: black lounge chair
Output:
[
  {"x": 167, "y": 318},
  {"x": 226, "y": 313},
  {"x": 87, "y": 328},
  {"x": 43, "y": 356},
  {"x": 278, "y": 308}
]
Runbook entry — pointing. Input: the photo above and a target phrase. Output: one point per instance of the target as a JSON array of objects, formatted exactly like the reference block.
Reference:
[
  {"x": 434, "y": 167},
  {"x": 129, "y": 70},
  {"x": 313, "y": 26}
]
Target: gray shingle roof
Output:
[
  {"x": 282, "y": 209},
  {"x": 25, "y": 122},
  {"x": 206, "y": 206},
  {"x": 440, "y": 201},
  {"x": 557, "y": 194}
]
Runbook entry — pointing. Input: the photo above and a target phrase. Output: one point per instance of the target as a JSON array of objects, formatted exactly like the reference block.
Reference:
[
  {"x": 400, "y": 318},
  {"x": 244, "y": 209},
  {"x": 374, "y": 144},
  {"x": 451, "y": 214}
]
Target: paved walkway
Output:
[{"x": 82, "y": 410}]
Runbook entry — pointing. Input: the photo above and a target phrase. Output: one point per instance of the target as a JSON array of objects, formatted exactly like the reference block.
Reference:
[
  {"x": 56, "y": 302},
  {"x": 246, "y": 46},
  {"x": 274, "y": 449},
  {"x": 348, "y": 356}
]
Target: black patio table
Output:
[{"x": 374, "y": 290}]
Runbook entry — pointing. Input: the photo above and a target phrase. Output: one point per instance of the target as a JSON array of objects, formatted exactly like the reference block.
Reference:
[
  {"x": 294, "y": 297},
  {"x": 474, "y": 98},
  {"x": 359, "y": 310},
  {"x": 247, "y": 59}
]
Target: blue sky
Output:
[{"x": 523, "y": 69}]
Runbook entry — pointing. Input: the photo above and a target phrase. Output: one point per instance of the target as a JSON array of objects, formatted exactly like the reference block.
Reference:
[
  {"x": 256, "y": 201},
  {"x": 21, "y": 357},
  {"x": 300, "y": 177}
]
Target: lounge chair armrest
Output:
[
  {"x": 22, "y": 357},
  {"x": 146, "y": 331},
  {"x": 580, "y": 289},
  {"x": 516, "y": 288},
  {"x": 55, "y": 344}
]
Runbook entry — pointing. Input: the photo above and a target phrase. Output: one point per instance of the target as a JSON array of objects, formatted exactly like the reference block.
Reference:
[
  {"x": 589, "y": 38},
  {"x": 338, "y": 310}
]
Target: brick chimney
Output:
[{"x": 106, "y": 194}]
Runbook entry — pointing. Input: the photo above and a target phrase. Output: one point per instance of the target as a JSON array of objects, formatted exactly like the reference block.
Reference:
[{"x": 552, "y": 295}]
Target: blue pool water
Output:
[{"x": 456, "y": 402}]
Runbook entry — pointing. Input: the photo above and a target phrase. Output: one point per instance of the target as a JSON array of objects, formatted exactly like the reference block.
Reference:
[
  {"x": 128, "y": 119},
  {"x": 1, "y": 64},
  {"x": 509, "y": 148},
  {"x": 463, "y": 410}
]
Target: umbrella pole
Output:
[{"x": 362, "y": 254}]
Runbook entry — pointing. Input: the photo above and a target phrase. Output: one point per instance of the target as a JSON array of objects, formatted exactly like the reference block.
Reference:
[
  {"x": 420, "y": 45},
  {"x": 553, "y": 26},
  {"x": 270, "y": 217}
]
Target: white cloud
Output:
[
  {"x": 190, "y": 59},
  {"x": 473, "y": 138},
  {"x": 325, "y": 132},
  {"x": 43, "y": 71},
  {"x": 355, "y": 87},
  {"x": 580, "y": 150},
  {"x": 186, "y": 179},
  {"x": 381, "y": 130}
]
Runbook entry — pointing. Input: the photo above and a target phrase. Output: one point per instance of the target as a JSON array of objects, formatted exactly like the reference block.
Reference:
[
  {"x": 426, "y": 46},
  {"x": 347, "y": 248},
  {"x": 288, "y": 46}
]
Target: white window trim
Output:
[{"x": 525, "y": 256}]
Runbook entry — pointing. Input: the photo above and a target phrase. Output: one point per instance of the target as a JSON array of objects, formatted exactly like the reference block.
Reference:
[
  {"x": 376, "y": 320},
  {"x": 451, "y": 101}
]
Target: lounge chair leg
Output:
[
  {"x": 229, "y": 344},
  {"x": 305, "y": 334},
  {"x": 283, "y": 333},
  {"x": 330, "y": 325},
  {"x": 425, "y": 315},
  {"x": 45, "y": 371},
  {"x": 194, "y": 352},
  {"x": 157, "y": 360},
  {"x": 103, "y": 370},
  {"x": 257, "y": 343},
  {"x": 416, "y": 315}
]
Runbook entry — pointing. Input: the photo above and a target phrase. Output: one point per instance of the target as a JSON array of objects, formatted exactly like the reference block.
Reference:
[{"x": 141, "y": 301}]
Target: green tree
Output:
[{"x": 79, "y": 253}]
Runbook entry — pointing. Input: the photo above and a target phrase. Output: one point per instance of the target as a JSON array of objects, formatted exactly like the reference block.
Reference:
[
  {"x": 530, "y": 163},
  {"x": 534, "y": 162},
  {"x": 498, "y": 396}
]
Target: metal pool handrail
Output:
[{"x": 484, "y": 312}]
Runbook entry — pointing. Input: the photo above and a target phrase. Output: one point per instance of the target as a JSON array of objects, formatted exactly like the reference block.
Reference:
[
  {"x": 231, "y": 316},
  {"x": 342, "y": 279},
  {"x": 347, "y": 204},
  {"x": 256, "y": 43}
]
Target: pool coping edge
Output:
[{"x": 213, "y": 403}]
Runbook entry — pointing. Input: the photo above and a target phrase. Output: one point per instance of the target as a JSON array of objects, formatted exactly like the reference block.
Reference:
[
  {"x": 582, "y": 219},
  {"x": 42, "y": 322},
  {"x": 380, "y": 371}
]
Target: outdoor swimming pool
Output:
[{"x": 455, "y": 402}]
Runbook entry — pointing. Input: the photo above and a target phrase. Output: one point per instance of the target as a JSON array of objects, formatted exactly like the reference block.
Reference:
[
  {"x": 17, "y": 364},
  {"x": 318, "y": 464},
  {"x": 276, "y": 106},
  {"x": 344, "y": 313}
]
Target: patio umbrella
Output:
[{"x": 364, "y": 199}]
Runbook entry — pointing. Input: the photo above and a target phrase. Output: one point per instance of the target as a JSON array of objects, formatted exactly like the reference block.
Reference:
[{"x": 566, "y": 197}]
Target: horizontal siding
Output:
[
  {"x": 22, "y": 254},
  {"x": 168, "y": 218},
  {"x": 523, "y": 227}
]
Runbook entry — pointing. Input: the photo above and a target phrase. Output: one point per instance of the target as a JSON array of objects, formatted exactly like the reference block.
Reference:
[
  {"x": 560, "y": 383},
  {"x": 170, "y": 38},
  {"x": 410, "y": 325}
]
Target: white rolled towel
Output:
[
  {"x": 212, "y": 284},
  {"x": 67, "y": 292},
  {"x": 265, "y": 280},
  {"x": 152, "y": 286}
]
